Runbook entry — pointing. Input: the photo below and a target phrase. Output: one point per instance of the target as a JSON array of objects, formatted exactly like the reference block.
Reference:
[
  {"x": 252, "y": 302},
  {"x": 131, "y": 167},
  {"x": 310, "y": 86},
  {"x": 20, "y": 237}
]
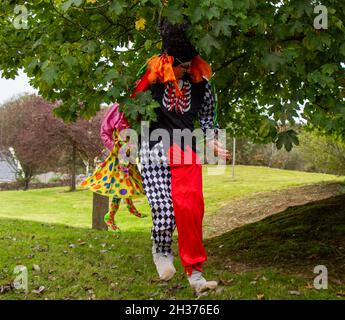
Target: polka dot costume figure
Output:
[{"x": 117, "y": 181}]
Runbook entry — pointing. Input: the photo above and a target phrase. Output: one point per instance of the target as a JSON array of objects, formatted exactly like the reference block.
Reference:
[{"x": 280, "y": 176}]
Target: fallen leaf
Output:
[
  {"x": 260, "y": 296},
  {"x": 341, "y": 294},
  {"x": 309, "y": 286},
  {"x": 294, "y": 292},
  {"x": 39, "y": 290},
  {"x": 226, "y": 282},
  {"x": 36, "y": 268},
  {"x": 72, "y": 245},
  {"x": 154, "y": 280},
  {"x": 6, "y": 288},
  {"x": 201, "y": 294},
  {"x": 178, "y": 286},
  {"x": 219, "y": 290},
  {"x": 153, "y": 294}
]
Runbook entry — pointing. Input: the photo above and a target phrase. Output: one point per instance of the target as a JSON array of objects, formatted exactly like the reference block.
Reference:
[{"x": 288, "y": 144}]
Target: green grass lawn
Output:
[
  {"x": 79, "y": 263},
  {"x": 57, "y": 205}
]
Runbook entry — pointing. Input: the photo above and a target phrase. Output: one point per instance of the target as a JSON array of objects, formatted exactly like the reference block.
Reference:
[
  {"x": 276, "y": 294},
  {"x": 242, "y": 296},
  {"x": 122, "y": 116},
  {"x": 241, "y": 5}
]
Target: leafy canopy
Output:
[{"x": 267, "y": 56}]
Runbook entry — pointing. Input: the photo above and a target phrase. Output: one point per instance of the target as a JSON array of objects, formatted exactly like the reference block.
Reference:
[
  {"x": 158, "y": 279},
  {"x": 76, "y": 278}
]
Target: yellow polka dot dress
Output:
[{"x": 113, "y": 180}]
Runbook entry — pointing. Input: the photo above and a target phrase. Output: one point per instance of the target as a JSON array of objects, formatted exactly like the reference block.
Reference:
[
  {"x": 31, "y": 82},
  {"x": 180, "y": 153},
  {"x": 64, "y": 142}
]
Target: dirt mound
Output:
[
  {"x": 295, "y": 240},
  {"x": 260, "y": 205}
]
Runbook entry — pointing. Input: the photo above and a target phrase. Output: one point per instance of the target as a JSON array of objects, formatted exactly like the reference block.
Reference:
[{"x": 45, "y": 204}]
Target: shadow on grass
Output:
[{"x": 295, "y": 240}]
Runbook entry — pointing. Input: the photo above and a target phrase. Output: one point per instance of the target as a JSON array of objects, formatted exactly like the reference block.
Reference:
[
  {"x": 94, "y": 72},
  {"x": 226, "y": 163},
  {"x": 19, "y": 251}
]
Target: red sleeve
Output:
[{"x": 142, "y": 84}]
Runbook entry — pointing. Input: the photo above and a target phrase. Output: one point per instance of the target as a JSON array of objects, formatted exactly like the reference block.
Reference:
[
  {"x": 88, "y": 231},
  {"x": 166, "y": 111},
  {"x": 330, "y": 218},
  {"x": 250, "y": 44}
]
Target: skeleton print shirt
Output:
[{"x": 196, "y": 103}]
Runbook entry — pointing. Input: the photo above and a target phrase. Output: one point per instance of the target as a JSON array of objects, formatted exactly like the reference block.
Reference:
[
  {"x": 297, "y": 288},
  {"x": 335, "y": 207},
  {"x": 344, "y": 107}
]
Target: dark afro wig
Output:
[{"x": 175, "y": 41}]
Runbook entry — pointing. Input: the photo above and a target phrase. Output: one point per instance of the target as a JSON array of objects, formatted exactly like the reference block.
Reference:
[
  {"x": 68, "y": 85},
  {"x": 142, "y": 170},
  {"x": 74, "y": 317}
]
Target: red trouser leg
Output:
[{"x": 188, "y": 204}]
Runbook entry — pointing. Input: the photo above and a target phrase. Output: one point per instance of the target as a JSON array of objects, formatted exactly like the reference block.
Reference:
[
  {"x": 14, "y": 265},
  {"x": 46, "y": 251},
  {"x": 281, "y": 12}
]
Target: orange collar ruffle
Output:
[{"x": 161, "y": 69}]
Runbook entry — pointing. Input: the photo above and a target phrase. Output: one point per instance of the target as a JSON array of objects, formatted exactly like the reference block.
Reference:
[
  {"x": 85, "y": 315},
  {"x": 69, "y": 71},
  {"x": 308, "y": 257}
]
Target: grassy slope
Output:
[
  {"x": 56, "y": 205},
  {"x": 300, "y": 236},
  {"x": 125, "y": 270},
  {"x": 291, "y": 242}
]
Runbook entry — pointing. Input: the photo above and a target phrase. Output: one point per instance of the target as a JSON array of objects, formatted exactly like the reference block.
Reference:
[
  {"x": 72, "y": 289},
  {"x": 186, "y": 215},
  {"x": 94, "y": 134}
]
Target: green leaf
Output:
[
  {"x": 342, "y": 49},
  {"x": 208, "y": 42},
  {"x": 32, "y": 65},
  {"x": 329, "y": 68},
  {"x": 117, "y": 7},
  {"x": 221, "y": 26},
  {"x": 50, "y": 74},
  {"x": 287, "y": 139},
  {"x": 272, "y": 61},
  {"x": 264, "y": 129},
  {"x": 70, "y": 60},
  {"x": 90, "y": 46},
  {"x": 111, "y": 74},
  {"x": 114, "y": 92},
  {"x": 226, "y": 4},
  {"x": 148, "y": 44},
  {"x": 174, "y": 14},
  {"x": 212, "y": 12},
  {"x": 67, "y": 4},
  {"x": 196, "y": 15}
]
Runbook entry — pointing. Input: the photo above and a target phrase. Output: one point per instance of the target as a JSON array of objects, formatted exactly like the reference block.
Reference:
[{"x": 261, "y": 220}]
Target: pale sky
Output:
[{"x": 10, "y": 88}]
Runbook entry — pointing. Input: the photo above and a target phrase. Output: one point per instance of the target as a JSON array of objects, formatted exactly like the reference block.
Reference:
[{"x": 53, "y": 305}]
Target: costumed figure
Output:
[
  {"x": 179, "y": 79},
  {"x": 117, "y": 177}
]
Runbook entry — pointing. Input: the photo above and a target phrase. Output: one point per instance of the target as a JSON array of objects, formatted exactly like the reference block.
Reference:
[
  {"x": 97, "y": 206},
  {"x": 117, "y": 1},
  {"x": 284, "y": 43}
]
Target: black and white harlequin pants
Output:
[
  {"x": 156, "y": 177},
  {"x": 175, "y": 196}
]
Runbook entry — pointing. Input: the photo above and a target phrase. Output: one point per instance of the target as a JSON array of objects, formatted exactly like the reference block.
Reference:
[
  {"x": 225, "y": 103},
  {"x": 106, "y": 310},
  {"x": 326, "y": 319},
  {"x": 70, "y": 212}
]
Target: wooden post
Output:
[
  {"x": 233, "y": 158},
  {"x": 73, "y": 167},
  {"x": 99, "y": 209}
]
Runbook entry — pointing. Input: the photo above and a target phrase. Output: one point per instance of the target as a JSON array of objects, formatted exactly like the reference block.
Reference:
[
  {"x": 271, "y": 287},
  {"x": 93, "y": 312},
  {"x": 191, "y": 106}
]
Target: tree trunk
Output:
[
  {"x": 26, "y": 184},
  {"x": 26, "y": 180},
  {"x": 73, "y": 168},
  {"x": 99, "y": 209}
]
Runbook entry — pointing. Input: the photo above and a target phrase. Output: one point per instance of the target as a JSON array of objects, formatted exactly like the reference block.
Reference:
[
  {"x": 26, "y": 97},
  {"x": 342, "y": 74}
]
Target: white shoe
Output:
[
  {"x": 199, "y": 283},
  {"x": 164, "y": 264}
]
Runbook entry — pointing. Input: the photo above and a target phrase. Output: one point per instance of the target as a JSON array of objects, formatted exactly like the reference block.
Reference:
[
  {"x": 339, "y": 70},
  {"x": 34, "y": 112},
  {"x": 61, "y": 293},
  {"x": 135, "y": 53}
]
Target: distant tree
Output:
[
  {"x": 322, "y": 153},
  {"x": 79, "y": 142},
  {"x": 24, "y": 124},
  {"x": 41, "y": 141}
]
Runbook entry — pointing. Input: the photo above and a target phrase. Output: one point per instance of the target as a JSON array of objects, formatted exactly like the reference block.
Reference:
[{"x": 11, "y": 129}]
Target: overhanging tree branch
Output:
[{"x": 226, "y": 63}]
